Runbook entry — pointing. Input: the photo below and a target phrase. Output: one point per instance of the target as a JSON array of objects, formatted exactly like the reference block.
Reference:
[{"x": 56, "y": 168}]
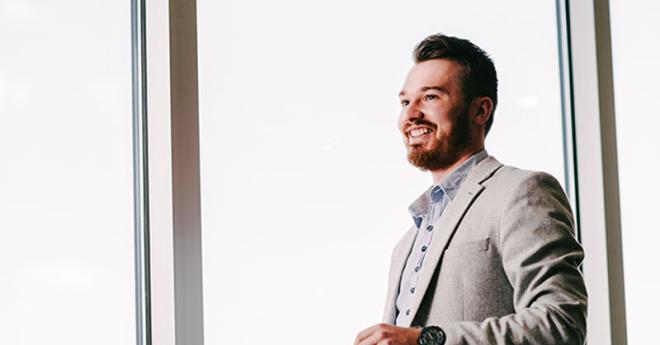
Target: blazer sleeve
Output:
[{"x": 541, "y": 258}]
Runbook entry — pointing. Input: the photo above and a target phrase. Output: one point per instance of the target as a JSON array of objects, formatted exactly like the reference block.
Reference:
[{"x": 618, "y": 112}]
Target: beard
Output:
[{"x": 445, "y": 150}]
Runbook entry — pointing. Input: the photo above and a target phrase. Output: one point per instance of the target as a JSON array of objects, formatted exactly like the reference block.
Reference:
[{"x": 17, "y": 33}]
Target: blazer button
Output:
[
  {"x": 423, "y": 248},
  {"x": 407, "y": 312},
  {"x": 429, "y": 228}
]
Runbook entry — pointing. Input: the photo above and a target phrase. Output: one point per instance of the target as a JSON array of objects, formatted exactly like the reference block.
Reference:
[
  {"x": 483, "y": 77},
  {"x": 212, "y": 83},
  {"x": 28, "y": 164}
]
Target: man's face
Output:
[{"x": 434, "y": 121}]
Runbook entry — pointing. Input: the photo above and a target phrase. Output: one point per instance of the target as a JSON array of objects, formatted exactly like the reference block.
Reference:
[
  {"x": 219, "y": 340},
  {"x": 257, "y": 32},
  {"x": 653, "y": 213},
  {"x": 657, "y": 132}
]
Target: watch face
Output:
[
  {"x": 441, "y": 336},
  {"x": 432, "y": 336}
]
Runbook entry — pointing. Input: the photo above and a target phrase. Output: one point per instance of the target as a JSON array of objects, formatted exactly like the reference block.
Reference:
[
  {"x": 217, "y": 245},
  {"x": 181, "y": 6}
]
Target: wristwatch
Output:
[{"x": 432, "y": 335}]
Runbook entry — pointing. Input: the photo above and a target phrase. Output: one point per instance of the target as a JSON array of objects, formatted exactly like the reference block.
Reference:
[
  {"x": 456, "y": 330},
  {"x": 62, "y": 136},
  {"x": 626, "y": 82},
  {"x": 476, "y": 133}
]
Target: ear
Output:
[{"x": 482, "y": 108}]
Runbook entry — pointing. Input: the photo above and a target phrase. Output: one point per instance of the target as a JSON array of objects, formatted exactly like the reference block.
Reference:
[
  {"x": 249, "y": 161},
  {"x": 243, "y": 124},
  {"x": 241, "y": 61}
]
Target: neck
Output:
[{"x": 440, "y": 174}]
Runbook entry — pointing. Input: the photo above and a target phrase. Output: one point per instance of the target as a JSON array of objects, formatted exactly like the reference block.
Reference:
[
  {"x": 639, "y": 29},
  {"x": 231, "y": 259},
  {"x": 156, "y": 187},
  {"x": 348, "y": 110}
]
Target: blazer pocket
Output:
[{"x": 467, "y": 248}]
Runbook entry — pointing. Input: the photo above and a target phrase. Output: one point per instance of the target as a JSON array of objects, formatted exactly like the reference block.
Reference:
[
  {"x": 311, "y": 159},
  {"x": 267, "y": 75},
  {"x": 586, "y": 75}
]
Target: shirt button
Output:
[
  {"x": 417, "y": 269},
  {"x": 429, "y": 228},
  {"x": 412, "y": 290},
  {"x": 407, "y": 312},
  {"x": 423, "y": 248}
]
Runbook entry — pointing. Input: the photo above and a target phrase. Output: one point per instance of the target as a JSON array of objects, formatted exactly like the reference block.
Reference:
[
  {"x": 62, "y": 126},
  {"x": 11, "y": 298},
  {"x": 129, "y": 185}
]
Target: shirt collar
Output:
[{"x": 449, "y": 186}]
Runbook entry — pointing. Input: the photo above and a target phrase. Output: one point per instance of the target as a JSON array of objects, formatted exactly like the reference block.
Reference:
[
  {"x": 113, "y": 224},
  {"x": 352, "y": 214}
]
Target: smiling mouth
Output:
[{"x": 418, "y": 132}]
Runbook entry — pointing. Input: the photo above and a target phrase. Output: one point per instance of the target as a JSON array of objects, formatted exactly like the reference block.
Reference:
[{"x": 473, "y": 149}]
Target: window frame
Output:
[{"x": 169, "y": 303}]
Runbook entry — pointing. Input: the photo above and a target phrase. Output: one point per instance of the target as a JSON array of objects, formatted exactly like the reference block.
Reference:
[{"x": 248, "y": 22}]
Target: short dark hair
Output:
[{"x": 478, "y": 78}]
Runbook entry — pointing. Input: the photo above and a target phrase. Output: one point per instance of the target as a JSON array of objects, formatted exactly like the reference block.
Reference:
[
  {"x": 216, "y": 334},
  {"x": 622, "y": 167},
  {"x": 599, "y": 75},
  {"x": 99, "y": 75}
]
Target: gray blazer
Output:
[{"x": 504, "y": 266}]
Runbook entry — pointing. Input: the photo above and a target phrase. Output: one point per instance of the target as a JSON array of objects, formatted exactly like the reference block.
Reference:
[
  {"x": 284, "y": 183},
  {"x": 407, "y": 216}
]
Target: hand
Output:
[{"x": 384, "y": 334}]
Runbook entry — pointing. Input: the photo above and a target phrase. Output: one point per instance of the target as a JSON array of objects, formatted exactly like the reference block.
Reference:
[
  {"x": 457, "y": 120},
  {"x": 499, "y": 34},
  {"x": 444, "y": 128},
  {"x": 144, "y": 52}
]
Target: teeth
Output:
[{"x": 419, "y": 131}]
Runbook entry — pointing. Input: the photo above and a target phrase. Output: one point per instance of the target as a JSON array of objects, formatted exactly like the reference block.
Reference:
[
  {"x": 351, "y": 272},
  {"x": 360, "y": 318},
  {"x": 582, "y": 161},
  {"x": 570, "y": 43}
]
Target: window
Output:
[
  {"x": 635, "y": 84},
  {"x": 66, "y": 210},
  {"x": 305, "y": 184}
]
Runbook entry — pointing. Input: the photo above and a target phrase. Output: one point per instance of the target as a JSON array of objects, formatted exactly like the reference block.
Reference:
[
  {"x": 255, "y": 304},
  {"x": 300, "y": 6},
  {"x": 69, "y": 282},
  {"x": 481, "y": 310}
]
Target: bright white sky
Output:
[
  {"x": 66, "y": 211},
  {"x": 635, "y": 29},
  {"x": 304, "y": 179}
]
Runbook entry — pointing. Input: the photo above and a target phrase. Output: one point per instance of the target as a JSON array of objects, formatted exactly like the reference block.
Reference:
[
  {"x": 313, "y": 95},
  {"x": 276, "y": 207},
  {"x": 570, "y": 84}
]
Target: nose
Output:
[{"x": 412, "y": 113}]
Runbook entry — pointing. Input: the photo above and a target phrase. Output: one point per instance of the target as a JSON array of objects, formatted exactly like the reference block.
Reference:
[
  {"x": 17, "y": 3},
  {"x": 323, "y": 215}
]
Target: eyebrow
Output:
[{"x": 426, "y": 88}]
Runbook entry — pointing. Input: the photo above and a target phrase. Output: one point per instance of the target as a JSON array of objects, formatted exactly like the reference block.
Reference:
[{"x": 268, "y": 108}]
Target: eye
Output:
[
  {"x": 430, "y": 97},
  {"x": 404, "y": 102}
]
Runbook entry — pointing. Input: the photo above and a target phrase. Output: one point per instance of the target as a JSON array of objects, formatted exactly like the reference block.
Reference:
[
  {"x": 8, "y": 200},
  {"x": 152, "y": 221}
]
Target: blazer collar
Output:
[{"x": 449, "y": 186}]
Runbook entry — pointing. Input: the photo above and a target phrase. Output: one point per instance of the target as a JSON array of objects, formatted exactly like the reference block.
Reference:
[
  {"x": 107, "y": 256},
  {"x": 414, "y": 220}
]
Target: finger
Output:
[
  {"x": 373, "y": 339},
  {"x": 366, "y": 333}
]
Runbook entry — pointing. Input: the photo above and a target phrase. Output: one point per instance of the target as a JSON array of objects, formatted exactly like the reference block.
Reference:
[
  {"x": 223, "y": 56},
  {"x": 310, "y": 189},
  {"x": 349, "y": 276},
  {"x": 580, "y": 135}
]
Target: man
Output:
[{"x": 491, "y": 257}]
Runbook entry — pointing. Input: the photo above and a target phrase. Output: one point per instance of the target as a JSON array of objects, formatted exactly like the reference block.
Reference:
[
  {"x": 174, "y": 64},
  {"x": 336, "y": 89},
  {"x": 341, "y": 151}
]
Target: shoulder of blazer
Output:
[
  {"x": 483, "y": 171},
  {"x": 512, "y": 179}
]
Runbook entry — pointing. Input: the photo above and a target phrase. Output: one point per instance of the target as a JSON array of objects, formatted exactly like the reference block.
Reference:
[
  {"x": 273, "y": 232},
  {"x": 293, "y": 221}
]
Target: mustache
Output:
[{"x": 420, "y": 122}]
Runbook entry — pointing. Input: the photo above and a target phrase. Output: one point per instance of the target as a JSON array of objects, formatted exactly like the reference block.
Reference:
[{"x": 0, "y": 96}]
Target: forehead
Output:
[{"x": 436, "y": 72}]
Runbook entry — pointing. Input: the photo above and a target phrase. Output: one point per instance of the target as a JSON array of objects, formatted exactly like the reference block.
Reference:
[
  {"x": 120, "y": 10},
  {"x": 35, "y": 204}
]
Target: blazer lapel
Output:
[
  {"x": 448, "y": 224},
  {"x": 399, "y": 258}
]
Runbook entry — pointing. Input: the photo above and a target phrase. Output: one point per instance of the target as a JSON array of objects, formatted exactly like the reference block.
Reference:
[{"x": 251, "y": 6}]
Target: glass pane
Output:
[
  {"x": 305, "y": 183},
  {"x": 66, "y": 255},
  {"x": 634, "y": 29}
]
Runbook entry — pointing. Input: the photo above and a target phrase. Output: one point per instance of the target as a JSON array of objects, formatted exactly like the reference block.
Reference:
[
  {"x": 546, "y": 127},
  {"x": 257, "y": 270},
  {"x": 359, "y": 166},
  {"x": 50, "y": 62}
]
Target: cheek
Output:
[
  {"x": 437, "y": 114},
  {"x": 442, "y": 131},
  {"x": 400, "y": 122}
]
